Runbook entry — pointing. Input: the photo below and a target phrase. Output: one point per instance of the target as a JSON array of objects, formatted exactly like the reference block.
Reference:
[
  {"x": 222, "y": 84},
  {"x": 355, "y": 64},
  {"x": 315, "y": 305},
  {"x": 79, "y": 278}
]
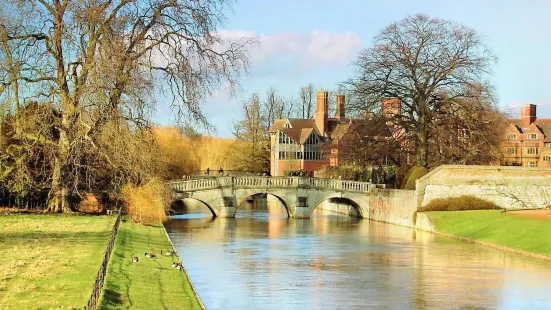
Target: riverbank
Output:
[
  {"x": 149, "y": 284},
  {"x": 493, "y": 227},
  {"x": 50, "y": 261}
]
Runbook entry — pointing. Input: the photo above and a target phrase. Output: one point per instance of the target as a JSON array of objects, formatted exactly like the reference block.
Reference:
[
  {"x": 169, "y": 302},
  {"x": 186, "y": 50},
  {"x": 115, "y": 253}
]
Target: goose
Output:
[
  {"x": 180, "y": 267},
  {"x": 149, "y": 255},
  {"x": 169, "y": 253},
  {"x": 174, "y": 265},
  {"x": 135, "y": 259}
]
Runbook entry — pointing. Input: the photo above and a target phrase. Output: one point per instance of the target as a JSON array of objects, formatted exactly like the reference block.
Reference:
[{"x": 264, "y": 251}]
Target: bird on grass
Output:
[
  {"x": 169, "y": 253},
  {"x": 149, "y": 255},
  {"x": 135, "y": 259},
  {"x": 178, "y": 266}
]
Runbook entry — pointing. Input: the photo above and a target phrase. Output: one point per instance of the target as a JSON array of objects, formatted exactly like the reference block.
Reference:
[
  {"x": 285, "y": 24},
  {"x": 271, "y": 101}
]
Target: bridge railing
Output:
[{"x": 217, "y": 182}]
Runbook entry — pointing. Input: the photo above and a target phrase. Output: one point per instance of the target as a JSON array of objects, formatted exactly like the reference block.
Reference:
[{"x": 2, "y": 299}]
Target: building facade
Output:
[
  {"x": 305, "y": 144},
  {"x": 525, "y": 141}
]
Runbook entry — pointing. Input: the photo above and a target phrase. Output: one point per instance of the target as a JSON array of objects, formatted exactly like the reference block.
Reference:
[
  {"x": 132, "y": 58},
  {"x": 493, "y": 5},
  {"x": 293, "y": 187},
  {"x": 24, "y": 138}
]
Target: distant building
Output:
[
  {"x": 309, "y": 144},
  {"x": 300, "y": 144},
  {"x": 527, "y": 140}
]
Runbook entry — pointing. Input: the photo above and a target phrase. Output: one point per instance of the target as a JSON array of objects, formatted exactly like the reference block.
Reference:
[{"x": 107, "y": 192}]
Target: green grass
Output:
[
  {"x": 492, "y": 226},
  {"x": 150, "y": 283},
  {"x": 50, "y": 261}
]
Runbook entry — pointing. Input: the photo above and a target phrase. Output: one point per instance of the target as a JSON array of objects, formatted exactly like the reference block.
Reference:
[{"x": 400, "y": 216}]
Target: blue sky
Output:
[{"x": 309, "y": 41}]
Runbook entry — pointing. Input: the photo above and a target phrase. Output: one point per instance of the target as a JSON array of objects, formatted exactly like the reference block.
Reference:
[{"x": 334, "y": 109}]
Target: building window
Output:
[
  {"x": 312, "y": 139},
  {"x": 532, "y": 136},
  {"x": 532, "y": 151},
  {"x": 547, "y": 144},
  {"x": 284, "y": 139},
  {"x": 511, "y": 151},
  {"x": 512, "y": 136},
  {"x": 547, "y": 158},
  {"x": 531, "y": 164}
]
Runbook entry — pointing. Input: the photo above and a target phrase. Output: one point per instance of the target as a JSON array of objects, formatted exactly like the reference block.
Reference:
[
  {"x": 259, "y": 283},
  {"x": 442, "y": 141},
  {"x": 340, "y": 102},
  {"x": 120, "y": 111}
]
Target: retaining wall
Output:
[
  {"x": 393, "y": 206},
  {"x": 507, "y": 187}
]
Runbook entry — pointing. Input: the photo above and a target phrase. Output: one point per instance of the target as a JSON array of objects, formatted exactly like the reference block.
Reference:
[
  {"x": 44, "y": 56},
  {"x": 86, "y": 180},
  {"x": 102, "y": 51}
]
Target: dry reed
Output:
[{"x": 147, "y": 204}]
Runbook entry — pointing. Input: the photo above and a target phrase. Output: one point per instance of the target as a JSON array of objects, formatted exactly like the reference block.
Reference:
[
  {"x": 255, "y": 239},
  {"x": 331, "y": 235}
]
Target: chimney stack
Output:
[
  {"x": 527, "y": 115},
  {"x": 320, "y": 116},
  {"x": 340, "y": 107}
]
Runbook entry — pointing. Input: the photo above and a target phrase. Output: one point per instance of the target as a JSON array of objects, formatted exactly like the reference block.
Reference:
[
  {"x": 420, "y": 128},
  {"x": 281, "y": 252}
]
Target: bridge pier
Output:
[
  {"x": 229, "y": 208},
  {"x": 301, "y": 209}
]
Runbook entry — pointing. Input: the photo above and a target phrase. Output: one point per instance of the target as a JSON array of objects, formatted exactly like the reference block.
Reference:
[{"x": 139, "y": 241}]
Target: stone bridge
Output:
[{"x": 299, "y": 195}]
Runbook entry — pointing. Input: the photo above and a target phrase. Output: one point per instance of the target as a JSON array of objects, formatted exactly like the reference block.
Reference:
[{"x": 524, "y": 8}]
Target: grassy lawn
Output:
[
  {"x": 149, "y": 284},
  {"x": 527, "y": 234},
  {"x": 50, "y": 261}
]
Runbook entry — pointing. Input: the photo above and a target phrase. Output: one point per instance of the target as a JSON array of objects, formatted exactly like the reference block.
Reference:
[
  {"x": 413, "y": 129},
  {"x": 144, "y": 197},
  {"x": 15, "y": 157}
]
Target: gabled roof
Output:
[
  {"x": 300, "y": 128},
  {"x": 543, "y": 124}
]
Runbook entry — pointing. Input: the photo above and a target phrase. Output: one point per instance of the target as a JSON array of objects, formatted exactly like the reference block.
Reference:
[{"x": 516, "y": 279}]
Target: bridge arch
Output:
[
  {"x": 359, "y": 207},
  {"x": 209, "y": 207},
  {"x": 240, "y": 200}
]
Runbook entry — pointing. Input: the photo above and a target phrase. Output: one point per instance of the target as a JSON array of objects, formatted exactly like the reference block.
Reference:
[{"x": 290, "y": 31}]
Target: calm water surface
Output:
[{"x": 262, "y": 260}]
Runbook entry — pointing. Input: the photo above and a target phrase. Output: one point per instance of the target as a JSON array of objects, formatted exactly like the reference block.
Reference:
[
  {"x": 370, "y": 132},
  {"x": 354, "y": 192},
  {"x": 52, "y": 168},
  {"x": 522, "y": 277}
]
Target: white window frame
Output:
[
  {"x": 532, "y": 136},
  {"x": 512, "y": 136},
  {"x": 514, "y": 149},
  {"x": 532, "y": 151}
]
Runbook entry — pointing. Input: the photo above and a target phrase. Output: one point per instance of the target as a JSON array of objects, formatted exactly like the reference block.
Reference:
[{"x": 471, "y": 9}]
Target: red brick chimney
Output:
[
  {"x": 391, "y": 107},
  {"x": 340, "y": 107},
  {"x": 527, "y": 115},
  {"x": 320, "y": 116}
]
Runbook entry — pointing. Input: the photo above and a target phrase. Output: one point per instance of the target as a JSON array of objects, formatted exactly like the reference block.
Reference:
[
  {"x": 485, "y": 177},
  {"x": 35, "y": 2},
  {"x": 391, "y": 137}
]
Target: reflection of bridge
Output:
[{"x": 300, "y": 196}]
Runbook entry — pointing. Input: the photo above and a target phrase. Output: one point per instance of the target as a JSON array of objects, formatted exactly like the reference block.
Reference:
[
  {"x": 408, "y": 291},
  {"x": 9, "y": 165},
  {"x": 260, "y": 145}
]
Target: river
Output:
[{"x": 263, "y": 260}]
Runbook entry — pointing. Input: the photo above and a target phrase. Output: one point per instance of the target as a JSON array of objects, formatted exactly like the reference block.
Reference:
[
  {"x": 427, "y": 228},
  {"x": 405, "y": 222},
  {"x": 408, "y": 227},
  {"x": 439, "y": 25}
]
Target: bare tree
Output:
[
  {"x": 307, "y": 101},
  {"x": 369, "y": 142},
  {"x": 425, "y": 63},
  {"x": 251, "y": 132},
  {"x": 99, "y": 62},
  {"x": 276, "y": 107}
]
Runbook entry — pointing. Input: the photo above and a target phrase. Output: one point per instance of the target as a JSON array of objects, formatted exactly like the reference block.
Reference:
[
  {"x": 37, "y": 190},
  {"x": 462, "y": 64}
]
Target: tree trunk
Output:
[
  {"x": 60, "y": 192},
  {"x": 422, "y": 147}
]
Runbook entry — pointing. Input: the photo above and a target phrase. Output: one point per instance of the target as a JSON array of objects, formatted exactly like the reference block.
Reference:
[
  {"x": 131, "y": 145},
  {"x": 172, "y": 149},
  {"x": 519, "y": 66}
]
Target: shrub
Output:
[
  {"x": 147, "y": 204},
  {"x": 401, "y": 175},
  {"x": 413, "y": 175},
  {"x": 460, "y": 203}
]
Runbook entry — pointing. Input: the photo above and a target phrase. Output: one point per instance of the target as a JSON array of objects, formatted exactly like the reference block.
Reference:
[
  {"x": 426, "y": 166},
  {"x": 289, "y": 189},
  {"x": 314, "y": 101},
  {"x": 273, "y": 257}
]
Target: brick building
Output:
[
  {"x": 310, "y": 144},
  {"x": 527, "y": 140},
  {"x": 301, "y": 144}
]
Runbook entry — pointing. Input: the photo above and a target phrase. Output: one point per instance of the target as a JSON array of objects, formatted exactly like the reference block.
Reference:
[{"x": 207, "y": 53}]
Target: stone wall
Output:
[
  {"x": 393, "y": 206},
  {"x": 507, "y": 187},
  {"x": 338, "y": 207}
]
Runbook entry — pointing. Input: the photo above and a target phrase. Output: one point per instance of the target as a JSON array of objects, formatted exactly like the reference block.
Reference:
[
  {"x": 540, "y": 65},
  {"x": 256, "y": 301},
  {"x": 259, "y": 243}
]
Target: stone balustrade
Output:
[{"x": 270, "y": 182}]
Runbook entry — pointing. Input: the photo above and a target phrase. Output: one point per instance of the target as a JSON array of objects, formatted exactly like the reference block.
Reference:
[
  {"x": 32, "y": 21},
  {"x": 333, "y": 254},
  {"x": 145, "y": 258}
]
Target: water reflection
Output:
[{"x": 264, "y": 260}]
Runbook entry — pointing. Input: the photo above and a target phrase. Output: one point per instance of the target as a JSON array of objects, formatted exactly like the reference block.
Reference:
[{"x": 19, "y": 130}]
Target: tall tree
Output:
[
  {"x": 252, "y": 134},
  {"x": 307, "y": 101},
  {"x": 276, "y": 107},
  {"x": 427, "y": 64},
  {"x": 99, "y": 61}
]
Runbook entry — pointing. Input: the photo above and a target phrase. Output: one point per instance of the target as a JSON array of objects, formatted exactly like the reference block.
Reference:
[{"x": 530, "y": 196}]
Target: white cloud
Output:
[{"x": 318, "y": 48}]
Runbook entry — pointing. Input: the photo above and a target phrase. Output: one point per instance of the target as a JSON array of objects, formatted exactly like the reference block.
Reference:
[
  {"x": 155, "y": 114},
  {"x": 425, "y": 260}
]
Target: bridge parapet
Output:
[{"x": 267, "y": 182}]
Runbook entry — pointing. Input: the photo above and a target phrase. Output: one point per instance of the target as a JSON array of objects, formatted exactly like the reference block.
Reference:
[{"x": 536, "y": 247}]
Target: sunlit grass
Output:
[
  {"x": 50, "y": 261},
  {"x": 527, "y": 234},
  {"x": 150, "y": 283}
]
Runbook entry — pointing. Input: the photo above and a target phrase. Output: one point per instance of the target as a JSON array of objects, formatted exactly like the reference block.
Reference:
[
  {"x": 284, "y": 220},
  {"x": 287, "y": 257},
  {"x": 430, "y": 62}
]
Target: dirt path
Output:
[{"x": 535, "y": 214}]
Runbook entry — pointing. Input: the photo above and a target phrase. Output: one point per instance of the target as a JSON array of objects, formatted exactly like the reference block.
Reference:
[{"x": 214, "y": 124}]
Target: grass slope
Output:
[
  {"x": 150, "y": 283},
  {"x": 50, "y": 261},
  {"x": 527, "y": 234}
]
